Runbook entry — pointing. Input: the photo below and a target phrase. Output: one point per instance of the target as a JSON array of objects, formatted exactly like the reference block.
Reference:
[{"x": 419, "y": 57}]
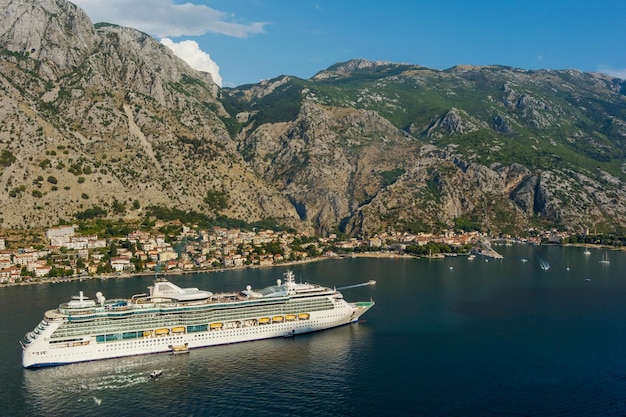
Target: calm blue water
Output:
[{"x": 446, "y": 338}]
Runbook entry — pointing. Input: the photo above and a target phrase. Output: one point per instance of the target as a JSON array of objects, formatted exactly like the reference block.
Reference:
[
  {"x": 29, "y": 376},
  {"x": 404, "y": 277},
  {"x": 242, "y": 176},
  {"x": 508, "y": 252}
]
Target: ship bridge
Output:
[{"x": 283, "y": 289}]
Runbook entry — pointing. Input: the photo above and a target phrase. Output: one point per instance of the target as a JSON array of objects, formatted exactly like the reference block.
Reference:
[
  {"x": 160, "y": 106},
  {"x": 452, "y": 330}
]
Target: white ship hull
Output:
[{"x": 39, "y": 352}]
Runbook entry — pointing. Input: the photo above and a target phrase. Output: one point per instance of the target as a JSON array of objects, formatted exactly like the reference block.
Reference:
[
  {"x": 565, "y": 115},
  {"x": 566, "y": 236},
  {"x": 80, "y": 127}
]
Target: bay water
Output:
[{"x": 447, "y": 337}]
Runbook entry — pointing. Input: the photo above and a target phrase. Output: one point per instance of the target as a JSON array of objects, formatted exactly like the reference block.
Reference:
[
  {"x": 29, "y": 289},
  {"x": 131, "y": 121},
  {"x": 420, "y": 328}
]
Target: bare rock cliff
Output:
[
  {"x": 43, "y": 29},
  {"x": 109, "y": 118}
]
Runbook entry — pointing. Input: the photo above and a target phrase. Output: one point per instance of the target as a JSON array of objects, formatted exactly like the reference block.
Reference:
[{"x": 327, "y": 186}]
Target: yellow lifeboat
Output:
[
  {"x": 162, "y": 332},
  {"x": 216, "y": 325},
  {"x": 176, "y": 349},
  {"x": 180, "y": 329},
  {"x": 303, "y": 316},
  {"x": 290, "y": 317},
  {"x": 264, "y": 320},
  {"x": 147, "y": 333},
  {"x": 277, "y": 319}
]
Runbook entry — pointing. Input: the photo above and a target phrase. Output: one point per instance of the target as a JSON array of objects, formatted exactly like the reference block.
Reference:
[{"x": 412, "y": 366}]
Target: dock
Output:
[{"x": 484, "y": 248}]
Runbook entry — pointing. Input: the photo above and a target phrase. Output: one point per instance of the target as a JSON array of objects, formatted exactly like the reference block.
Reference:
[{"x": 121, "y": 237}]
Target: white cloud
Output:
[
  {"x": 613, "y": 72},
  {"x": 164, "y": 18},
  {"x": 191, "y": 53}
]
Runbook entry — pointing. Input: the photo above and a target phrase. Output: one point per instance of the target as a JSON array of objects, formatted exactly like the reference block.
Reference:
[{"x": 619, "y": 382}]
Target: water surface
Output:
[{"x": 446, "y": 338}]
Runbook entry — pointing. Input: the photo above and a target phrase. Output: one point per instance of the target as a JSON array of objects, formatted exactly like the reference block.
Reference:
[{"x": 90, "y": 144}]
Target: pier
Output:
[{"x": 484, "y": 248}]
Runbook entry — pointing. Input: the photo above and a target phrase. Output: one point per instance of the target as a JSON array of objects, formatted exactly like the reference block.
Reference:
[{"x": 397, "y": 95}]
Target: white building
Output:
[
  {"x": 120, "y": 264},
  {"x": 59, "y": 231},
  {"x": 167, "y": 255}
]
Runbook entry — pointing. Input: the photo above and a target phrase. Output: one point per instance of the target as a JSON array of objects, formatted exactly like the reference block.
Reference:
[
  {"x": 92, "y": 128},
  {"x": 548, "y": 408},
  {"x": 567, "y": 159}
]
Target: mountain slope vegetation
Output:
[{"x": 104, "y": 121}]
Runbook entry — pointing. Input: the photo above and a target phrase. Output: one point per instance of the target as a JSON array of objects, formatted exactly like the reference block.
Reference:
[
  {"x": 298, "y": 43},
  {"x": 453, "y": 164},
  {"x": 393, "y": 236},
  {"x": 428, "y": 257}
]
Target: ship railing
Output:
[
  {"x": 26, "y": 340},
  {"x": 138, "y": 297},
  {"x": 117, "y": 308},
  {"x": 363, "y": 304},
  {"x": 72, "y": 318}
]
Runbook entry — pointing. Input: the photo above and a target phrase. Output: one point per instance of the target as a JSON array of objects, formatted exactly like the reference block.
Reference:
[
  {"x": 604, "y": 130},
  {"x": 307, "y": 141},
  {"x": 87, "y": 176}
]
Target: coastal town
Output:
[{"x": 71, "y": 255}]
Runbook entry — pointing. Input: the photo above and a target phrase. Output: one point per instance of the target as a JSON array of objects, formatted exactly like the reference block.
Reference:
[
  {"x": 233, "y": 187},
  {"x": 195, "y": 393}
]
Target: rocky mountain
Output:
[
  {"x": 104, "y": 120},
  {"x": 106, "y": 117},
  {"x": 376, "y": 145}
]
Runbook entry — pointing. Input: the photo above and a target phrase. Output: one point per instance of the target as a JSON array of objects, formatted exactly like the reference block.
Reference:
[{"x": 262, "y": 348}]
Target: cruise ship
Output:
[{"x": 168, "y": 317}]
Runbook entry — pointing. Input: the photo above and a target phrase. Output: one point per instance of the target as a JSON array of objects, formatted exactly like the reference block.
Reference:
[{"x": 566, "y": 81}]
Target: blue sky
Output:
[{"x": 246, "y": 41}]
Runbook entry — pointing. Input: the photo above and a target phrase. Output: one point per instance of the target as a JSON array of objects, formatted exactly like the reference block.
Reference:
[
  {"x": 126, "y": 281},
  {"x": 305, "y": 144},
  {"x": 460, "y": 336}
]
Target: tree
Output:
[
  {"x": 117, "y": 207},
  {"x": 138, "y": 264},
  {"x": 57, "y": 272},
  {"x": 216, "y": 200},
  {"x": 80, "y": 263},
  {"x": 113, "y": 250}
]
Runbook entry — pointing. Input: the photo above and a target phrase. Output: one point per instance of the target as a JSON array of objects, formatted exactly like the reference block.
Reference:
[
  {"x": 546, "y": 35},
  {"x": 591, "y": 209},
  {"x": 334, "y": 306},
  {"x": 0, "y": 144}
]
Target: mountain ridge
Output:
[{"x": 105, "y": 117}]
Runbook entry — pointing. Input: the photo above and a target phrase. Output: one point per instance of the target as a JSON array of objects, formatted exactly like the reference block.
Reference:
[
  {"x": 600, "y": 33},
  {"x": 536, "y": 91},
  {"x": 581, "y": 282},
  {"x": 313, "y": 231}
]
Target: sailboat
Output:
[
  {"x": 587, "y": 251},
  {"x": 605, "y": 259}
]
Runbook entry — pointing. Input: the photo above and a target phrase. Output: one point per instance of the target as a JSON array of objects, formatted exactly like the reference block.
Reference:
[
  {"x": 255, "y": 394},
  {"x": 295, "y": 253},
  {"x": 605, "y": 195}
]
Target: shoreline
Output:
[
  {"x": 126, "y": 275},
  {"x": 203, "y": 271},
  {"x": 391, "y": 255},
  {"x": 594, "y": 246}
]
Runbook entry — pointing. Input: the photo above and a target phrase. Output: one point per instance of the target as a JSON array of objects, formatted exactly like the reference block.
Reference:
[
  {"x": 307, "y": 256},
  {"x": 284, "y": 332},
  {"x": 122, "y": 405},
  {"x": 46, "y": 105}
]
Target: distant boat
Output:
[
  {"x": 471, "y": 257},
  {"x": 543, "y": 264},
  {"x": 587, "y": 251},
  {"x": 156, "y": 373},
  {"x": 524, "y": 260},
  {"x": 605, "y": 259}
]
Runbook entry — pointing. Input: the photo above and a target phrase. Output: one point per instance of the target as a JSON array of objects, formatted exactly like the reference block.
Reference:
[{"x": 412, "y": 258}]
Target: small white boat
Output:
[
  {"x": 156, "y": 373},
  {"x": 543, "y": 264},
  {"x": 605, "y": 259},
  {"x": 587, "y": 252}
]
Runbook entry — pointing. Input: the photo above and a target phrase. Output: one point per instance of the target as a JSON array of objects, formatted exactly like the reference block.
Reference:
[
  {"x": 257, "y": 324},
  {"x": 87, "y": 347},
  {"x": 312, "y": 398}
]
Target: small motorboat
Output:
[{"x": 156, "y": 373}]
